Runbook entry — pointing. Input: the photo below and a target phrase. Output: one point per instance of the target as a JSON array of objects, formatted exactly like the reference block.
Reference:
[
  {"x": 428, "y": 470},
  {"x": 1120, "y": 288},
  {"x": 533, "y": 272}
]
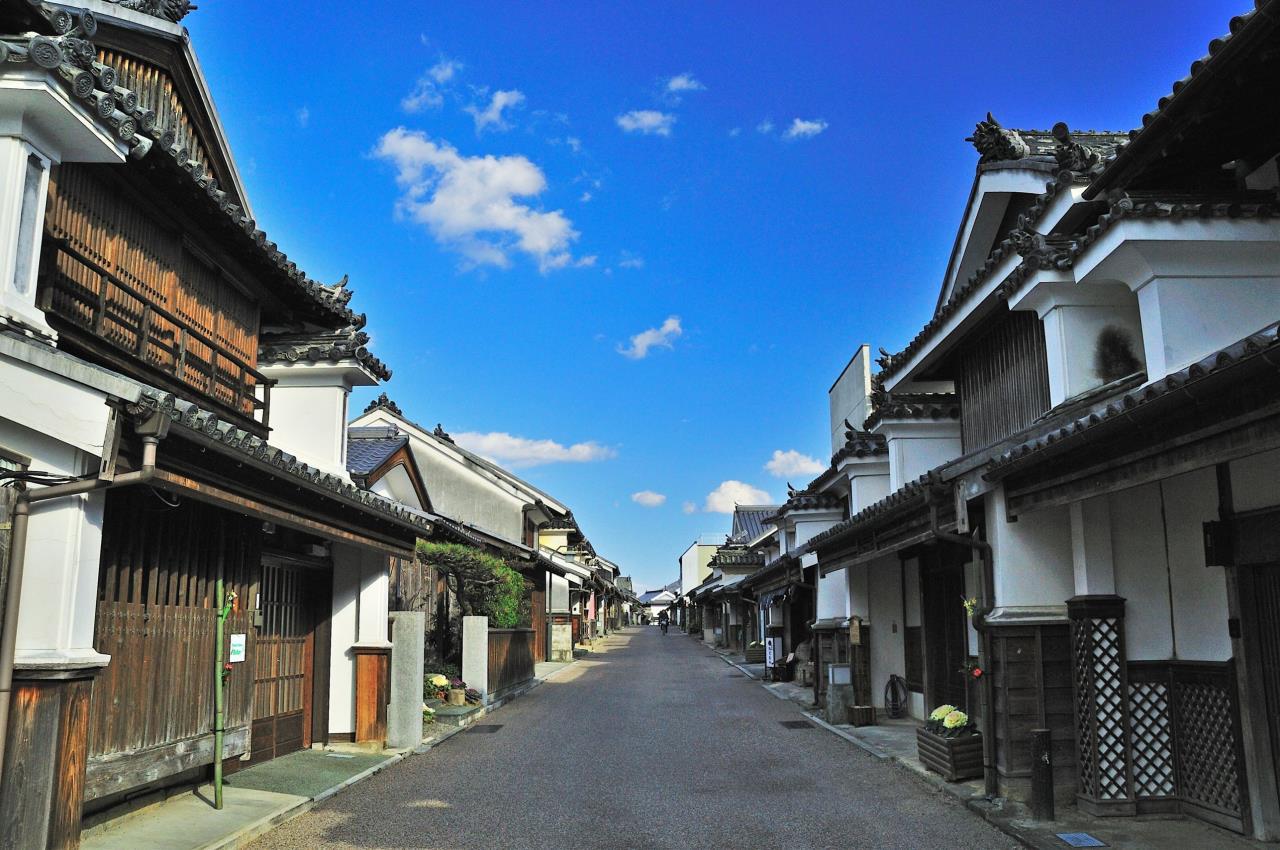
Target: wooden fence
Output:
[
  {"x": 153, "y": 704},
  {"x": 510, "y": 658}
]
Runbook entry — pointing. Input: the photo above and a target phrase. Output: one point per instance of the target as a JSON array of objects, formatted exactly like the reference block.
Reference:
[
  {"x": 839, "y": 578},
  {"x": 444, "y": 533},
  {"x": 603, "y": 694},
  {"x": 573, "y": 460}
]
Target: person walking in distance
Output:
[{"x": 663, "y": 621}]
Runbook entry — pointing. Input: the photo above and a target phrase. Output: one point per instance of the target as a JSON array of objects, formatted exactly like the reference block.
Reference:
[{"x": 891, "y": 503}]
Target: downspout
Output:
[
  {"x": 157, "y": 428},
  {"x": 990, "y": 779}
]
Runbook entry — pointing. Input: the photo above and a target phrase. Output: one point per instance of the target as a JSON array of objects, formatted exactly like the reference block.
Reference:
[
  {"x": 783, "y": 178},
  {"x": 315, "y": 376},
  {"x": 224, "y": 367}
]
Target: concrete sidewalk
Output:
[
  {"x": 894, "y": 741},
  {"x": 260, "y": 798}
]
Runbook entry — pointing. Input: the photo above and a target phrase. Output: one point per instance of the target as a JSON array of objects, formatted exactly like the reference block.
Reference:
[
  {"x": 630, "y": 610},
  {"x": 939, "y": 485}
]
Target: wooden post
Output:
[{"x": 1042, "y": 774}]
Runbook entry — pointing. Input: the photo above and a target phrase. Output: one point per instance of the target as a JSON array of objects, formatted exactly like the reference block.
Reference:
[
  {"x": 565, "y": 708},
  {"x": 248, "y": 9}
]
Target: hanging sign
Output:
[{"x": 237, "y": 648}]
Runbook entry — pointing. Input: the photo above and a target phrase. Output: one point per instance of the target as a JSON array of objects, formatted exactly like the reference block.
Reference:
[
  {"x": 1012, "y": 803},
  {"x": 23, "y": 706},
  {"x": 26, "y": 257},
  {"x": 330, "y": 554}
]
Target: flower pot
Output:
[
  {"x": 457, "y": 696},
  {"x": 953, "y": 758}
]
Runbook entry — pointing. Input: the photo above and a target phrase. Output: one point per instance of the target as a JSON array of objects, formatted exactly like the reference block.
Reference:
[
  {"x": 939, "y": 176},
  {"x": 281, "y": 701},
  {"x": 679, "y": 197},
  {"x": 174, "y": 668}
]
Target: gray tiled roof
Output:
[
  {"x": 748, "y": 521},
  {"x": 369, "y": 448}
]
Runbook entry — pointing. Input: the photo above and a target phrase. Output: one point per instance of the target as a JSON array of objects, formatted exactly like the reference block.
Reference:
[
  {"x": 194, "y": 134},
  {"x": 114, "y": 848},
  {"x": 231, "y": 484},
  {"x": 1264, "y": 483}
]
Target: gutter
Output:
[
  {"x": 990, "y": 779},
  {"x": 152, "y": 432}
]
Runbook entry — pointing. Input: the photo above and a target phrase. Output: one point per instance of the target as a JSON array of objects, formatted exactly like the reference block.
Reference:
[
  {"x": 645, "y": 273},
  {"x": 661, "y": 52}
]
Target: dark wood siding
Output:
[
  {"x": 1004, "y": 379},
  {"x": 145, "y": 291},
  {"x": 152, "y": 707}
]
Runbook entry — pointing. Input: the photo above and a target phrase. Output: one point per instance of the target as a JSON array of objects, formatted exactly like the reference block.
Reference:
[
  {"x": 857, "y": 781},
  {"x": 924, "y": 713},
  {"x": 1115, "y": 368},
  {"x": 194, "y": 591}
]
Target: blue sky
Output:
[{"x": 519, "y": 190}]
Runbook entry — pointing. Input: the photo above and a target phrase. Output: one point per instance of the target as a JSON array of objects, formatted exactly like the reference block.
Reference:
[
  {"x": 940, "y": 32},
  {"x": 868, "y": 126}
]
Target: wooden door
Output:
[
  {"x": 284, "y": 657},
  {"x": 945, "y": 638}
]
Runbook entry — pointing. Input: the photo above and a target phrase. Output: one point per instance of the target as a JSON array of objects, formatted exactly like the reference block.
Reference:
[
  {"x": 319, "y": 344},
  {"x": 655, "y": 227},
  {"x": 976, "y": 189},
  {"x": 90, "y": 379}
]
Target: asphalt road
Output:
[{"x": 655, "y": 742}]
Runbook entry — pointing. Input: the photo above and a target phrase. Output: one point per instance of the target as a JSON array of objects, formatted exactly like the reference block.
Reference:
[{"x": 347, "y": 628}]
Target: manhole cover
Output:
[
  {"x": 796, "y": 724},
  {"x": 484, "y": 729}
]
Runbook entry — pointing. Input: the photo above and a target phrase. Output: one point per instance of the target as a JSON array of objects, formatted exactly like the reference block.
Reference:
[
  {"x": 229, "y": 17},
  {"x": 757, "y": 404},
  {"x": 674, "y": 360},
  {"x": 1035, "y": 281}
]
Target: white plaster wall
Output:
[
  {"x": 1032, "y": 557},
  {"x": 866, "y": 490},
  {"x": 60, "y": 425},
  {"x": 359, "y": 617},
  {"x": 848, "y": 398},
  {"x": 559, "y": 596},
  {"x": 465, "y": 494},
  {"x": 914, "y": 455},
  {"x": 398, "y": 486},
  {"x": 833, "y": 596},
  {"x": 884, "y": 603},
  {"x": 1187, "y": 332},
  {"x": 310, "y": 422},
  {"x": 1071, "y": 334},
  {"x": 343, "y": 625},
  {"x": 1199, "y": 592},
  {"x": 1142, "y": 574},
  {"x": 1254, "y": 481}
]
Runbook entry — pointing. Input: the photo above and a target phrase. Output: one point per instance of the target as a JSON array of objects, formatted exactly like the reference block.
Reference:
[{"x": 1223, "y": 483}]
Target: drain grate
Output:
[
  {"x": 796, "y": 724},
  {"x": 484, "y": 728}
]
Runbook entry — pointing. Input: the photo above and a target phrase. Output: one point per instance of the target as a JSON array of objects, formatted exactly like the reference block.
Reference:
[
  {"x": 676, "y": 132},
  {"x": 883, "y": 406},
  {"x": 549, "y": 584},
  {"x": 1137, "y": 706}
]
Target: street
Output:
[{"x": 655, "y": 742}]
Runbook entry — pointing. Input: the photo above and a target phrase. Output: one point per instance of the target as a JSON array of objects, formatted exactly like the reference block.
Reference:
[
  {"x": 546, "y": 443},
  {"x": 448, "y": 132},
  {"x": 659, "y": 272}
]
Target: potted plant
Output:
[
  {"x": 457, "y": 692},
  {"x": 950, "y": 745},
  {"x": 436, "y": 686}
]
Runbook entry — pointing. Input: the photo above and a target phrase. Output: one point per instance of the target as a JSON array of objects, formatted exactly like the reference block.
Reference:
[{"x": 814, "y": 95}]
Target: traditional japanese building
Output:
[
  {"x": 1080, "y": 441},
  {"x": 175, "y": 391}
]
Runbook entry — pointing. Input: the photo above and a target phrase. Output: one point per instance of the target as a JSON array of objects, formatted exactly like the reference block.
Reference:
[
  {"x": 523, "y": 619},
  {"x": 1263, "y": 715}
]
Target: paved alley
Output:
[{"x": 654, "y": 742}]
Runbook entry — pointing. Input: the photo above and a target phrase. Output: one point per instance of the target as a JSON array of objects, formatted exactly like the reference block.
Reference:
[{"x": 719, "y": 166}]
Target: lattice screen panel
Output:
[
  {"x": 1151, "y": 730},
  {"x": 1102, "y": 724},
  {"x": 1206, "y": 751}
]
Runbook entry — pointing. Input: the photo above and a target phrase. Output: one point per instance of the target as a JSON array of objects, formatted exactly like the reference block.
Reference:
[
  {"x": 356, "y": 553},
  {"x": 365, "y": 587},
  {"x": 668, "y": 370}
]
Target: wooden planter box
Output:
[
  {"x": 754, "y": 654},
  {"x": 953, "y": 758}
]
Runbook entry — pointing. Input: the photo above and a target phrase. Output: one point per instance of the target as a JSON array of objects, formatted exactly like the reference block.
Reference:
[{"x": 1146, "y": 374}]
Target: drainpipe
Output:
[
  {"x": 990, "y": 779},
  {"x": 152, "y": 432}
]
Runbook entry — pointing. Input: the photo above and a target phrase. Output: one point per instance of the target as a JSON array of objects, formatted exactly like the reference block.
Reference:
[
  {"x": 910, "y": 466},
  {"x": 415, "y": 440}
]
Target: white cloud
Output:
[
  {"x": 765, "y": 127},
  {"x": 684, "y": 82},
  {"x": 647, "y": 121},
  {"x": 469, "y": 202},
  {"x": 659, "y": 337},
  {"x": 801, "y": 129},
  {"x": 681, "y": 85},
  {"x": 491, "y": 115},
  {"x": 427, "y": 92},
  {"x": 574, "y": 143},
  {"x": 304, "y": 116},
  {"x": 689, "y": 508},
  {"x": 630, "y": 261},
  {"x": 521, "y": 452},
  {"x": 791, "y": 462},
  {"x": 729, "y": 494},
  {"x": 735, "y": 132},
  {"x": 443, "y": 71},
  {"x": 586, "y": 198},
  {"x": 648, "y": 498}
]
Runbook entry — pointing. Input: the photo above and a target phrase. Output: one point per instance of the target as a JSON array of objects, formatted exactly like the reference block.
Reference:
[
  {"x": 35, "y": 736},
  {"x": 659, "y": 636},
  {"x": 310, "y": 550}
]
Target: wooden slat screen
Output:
[
  {"x": 1004, "y": 380},
  {"x": 510, "y": 659},
  {"x": 155, "y": 91},
  {"x": 146, "y": 289},
  {"x": 156, "y": 620}
]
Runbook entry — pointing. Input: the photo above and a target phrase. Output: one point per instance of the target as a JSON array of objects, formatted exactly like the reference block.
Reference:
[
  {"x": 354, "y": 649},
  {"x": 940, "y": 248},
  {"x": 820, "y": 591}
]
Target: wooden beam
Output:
[
  {"x": 242, "y": 504},
  {"x": 1201, "y": 449},
  {"x": 117, "y": 772}
]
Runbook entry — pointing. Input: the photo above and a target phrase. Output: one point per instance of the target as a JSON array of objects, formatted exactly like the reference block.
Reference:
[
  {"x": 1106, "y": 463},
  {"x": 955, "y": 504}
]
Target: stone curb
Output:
[{"x": 246, "y": 834}]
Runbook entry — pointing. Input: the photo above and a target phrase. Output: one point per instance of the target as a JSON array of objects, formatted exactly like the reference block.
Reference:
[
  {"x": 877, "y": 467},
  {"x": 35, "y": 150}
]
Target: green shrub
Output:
[{"x": 485, "y": 586}]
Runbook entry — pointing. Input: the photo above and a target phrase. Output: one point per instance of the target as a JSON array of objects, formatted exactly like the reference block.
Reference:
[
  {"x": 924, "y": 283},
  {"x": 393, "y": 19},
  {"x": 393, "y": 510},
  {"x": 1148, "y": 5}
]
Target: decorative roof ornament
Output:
[
  {"x": 1044, "y": 252},
  {"x": 384, "y": 403},
  {"x": 441, "y": 433},
  {"x": 997, "y": 144},
  {"x": 170, "y": 10},
  {"x": 344, "y": 343},
  {"x": 1075, "y": 157}
]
